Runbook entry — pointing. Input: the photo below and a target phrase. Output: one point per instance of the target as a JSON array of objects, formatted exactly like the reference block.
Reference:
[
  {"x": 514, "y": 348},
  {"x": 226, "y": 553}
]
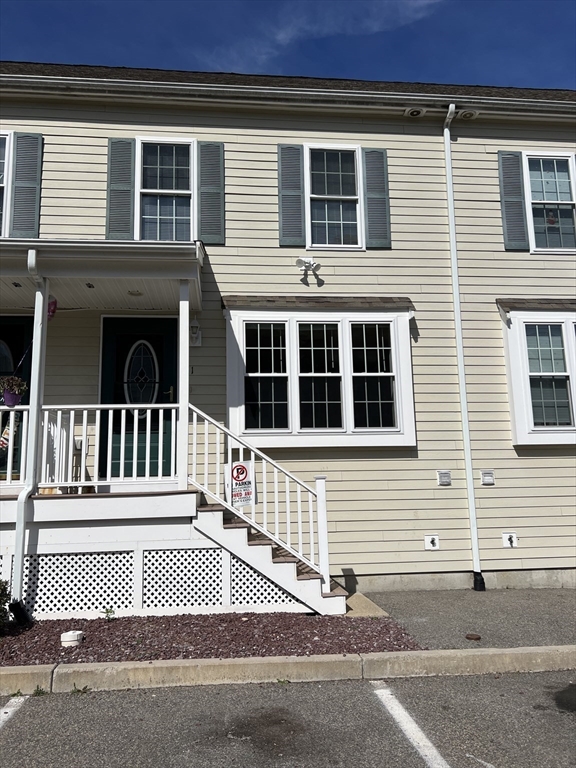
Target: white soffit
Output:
[{"x": 107, "y": 293}]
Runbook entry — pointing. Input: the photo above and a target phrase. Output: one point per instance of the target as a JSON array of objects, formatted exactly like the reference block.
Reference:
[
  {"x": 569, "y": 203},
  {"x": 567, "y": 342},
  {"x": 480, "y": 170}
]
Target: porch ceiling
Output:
[
  {"x": 101, "y": 274},
  {"x": 106, "y": 293}
]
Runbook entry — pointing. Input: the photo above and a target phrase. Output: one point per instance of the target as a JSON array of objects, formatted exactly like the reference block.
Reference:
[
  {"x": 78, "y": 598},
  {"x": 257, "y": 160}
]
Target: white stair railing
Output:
[{"x": 287, "y": 510}]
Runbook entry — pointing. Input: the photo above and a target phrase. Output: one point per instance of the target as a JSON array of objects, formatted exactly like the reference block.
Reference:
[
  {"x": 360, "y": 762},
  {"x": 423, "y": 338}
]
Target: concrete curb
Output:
[
  {"x": 26, "y": 679},
  {"x": 64, "y": 678}
]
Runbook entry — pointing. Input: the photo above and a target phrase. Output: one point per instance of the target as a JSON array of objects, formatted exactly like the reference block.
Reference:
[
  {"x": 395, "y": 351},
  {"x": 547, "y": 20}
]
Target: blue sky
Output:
[{"x": 530, "y": 43}]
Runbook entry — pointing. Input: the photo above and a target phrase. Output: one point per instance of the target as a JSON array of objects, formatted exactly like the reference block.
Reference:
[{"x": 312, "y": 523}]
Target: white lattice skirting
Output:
[{"x": 147, "y": 581}]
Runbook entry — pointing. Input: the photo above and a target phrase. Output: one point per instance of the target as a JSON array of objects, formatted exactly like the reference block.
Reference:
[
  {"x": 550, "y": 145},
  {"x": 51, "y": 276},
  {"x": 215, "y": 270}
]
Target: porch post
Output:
[
  {"x": 183, "y": 384},
  {"x": 34, "y": 426}
]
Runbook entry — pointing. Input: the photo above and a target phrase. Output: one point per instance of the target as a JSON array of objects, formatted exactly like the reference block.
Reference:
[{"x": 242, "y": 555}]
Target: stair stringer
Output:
[{"x": 235, "y": 540}]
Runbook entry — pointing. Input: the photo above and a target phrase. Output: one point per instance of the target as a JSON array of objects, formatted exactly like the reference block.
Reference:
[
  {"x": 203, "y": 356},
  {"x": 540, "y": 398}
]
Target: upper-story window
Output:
[
  {"x": 164, "y": 194},
  {"x": 3, "y": 196},
  {"x": 551, "y": 204},
  {"x": 333, "y": 193},
  {"x": 538, "y": 198},
  {"x": 333, "y": 197},
  {"x": 333, "y": 179}
]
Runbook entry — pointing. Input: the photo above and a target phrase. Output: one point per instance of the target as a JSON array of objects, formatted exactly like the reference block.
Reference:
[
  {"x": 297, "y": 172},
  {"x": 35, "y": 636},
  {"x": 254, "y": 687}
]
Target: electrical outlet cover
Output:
[
  {"x": 509, "y": 539},
  {"x": 432, "y": 541}
]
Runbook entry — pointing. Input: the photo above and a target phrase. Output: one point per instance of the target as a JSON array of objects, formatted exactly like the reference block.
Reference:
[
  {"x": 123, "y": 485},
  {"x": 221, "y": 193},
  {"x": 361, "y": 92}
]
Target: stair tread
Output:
[{"x": 210, "y": 507}]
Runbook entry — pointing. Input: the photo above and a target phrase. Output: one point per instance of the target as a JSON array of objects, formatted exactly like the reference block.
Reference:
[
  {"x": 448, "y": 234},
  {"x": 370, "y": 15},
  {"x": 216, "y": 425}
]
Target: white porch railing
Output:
[
  {"x": 13, "y": 436},
  {"x": 287, "y": 510},
  {"x": 92, "y": 445}
]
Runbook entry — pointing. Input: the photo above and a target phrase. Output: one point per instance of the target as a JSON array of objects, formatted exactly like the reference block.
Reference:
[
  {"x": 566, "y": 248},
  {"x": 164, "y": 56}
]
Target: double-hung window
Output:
[
  {"x": 541, "y": 348},
  {"x": 333, "y": 177},
  {"x": 333, "y": 197},
  {"x": 551, "y": 201},
  {"x": 164, "y": 181},
  {"x": 320, "y": 379},
  {"x": 5, "y": 174},
  {"x": 538, "y": 198}
]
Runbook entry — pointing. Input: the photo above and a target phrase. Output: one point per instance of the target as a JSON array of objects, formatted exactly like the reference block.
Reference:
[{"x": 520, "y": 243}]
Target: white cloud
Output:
[{"x": 296, "y": 20}]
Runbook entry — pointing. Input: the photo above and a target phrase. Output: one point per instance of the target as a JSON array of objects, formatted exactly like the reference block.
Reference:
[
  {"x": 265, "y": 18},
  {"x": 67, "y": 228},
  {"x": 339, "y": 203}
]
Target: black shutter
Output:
[
  {"x": 376, "y": 198},
  {"x": 120, "y": 204},
  {"x": 512, "y": 201},
  {"x": 25, "y": 218},
  {"x": 211, "y": 212},
  {"x": 291, "y": 195}
]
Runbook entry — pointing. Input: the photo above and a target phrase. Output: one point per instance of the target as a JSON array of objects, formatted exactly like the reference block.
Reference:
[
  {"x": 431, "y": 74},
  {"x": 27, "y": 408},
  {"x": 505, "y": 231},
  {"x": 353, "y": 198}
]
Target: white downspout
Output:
[
  {"x": 479, "y": 584},
  {"x": 34, "y": 420},
  {"x": 183, "y": 384}
]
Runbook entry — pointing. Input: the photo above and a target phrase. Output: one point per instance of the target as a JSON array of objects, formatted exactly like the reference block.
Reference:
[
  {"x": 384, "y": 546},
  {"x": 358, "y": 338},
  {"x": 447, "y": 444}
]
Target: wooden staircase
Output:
[{"x": 233, "y": 532}]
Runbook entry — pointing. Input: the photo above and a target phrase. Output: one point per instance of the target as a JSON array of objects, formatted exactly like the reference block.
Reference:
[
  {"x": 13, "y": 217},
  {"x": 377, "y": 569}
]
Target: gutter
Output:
[
  {"x": 34, "y": 414},
  {"x": 479, "y": 584},
  {"x": 238, "y": 95}
]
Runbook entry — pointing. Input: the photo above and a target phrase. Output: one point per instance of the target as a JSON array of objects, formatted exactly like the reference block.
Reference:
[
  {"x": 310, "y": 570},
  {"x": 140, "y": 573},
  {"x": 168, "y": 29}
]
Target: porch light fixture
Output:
[
  {"x": 17, "y": 285},
  {"x": 135, "y": 293},
  {"x": 195, "y": 333},
  {"x": 309, "y": 265},
  {"x": 89, "y": 285}
]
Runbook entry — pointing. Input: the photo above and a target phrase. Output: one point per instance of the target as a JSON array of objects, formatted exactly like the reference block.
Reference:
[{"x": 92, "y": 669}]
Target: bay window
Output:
[{"x": 322, "y": 378}]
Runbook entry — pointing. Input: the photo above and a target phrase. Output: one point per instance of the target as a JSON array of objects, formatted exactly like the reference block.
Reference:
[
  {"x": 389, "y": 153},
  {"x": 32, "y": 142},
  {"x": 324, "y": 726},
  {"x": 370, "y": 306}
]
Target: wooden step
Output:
[
  {"x": 305, "y": 572},
  {"x": 235, "y": 522},
  {"x": 259, "y": 540},
  {"x": 210, "y": 508},
  {"x": 284, "y": 558}
]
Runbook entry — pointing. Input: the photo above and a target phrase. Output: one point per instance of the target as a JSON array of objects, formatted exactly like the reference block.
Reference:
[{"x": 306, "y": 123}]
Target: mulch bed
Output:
[{"x": 144, "y": 638}]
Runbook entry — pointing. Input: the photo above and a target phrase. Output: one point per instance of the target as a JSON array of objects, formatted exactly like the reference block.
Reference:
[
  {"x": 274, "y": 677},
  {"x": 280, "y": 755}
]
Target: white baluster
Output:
[
  {"x": 323, "y": 556},
  {"x": 135, "y": 445}
]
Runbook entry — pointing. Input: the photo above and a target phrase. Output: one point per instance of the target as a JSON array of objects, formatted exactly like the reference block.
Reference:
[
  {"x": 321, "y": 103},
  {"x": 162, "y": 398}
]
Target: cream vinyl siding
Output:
[
  {"x": 535, "y": 491},
  {"x": 381, "y": 502}
]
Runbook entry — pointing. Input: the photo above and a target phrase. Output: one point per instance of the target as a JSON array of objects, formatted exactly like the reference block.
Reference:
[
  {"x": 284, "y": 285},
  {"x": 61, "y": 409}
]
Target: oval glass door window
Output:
[{"x": 141, "y": 375}]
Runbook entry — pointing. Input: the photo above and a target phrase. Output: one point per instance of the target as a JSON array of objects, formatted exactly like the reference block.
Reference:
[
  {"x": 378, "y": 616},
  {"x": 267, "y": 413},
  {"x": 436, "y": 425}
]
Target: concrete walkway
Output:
[{"x": 506, "y": 618}]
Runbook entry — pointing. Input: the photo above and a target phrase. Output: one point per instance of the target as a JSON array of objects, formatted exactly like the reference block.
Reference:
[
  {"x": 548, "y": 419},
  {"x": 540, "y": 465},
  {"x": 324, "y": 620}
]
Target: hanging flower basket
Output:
[{"x": 13, "y": 388}]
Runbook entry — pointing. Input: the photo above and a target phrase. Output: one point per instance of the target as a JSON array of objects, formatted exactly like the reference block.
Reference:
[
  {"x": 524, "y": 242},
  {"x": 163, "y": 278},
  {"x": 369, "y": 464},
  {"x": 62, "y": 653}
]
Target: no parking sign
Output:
[{"x": 242, "y": 485}]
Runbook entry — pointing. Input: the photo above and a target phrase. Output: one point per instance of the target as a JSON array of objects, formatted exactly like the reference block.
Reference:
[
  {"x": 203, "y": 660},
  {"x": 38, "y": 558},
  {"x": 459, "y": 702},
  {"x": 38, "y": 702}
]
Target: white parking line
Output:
[
  {"x": 409, "y": 727},
  {"x": 12, "y": 706}
]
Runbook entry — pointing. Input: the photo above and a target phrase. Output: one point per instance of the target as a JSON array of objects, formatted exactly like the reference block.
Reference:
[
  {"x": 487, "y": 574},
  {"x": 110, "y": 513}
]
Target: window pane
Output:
[
  {"x": 166, "y": 166},
  {"x": 182, "y": 230},
  {"x": 265, "y": 347},
  {"x": 333, "y": 172},
  {"x": 150, "y": 154},
  {"x": 554, "y": 227},
  {"x": 550, "y": 401},
  {"x": 319, "y": 352},
  {"x": 545, "y": 349},
  {"x": 317, "y": 160},
  {"x": 149, "y": 178},
  {"x": 266, "y": 401},
  {"x": 320, "y": 402},
  {"x": 374, "y": 402},
  {"x": 371, "y": 348}
]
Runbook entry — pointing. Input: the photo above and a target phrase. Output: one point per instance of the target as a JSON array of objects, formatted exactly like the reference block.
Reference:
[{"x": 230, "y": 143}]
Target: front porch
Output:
[{"x": 125, "y": 503}]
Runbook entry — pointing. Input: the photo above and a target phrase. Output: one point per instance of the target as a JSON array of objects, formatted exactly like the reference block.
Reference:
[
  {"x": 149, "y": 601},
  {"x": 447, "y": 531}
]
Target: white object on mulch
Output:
[{"x": 71, "y": 639}]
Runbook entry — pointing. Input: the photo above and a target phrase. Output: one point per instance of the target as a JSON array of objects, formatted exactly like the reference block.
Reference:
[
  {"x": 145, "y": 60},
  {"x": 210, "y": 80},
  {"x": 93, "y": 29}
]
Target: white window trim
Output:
[
  {"x": 8, "y": 170},
  {"x": 403, "y": 435},
  {"x": 360, "y": 188},
  {"x": 138, "y": 191},
  {"x": 561, "y": 155},
  {"x": 523, "y": 430}
]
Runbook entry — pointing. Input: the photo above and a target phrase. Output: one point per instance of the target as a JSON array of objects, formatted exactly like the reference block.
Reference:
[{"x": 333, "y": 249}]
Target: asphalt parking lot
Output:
[{"x": 495, "y": 721}]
